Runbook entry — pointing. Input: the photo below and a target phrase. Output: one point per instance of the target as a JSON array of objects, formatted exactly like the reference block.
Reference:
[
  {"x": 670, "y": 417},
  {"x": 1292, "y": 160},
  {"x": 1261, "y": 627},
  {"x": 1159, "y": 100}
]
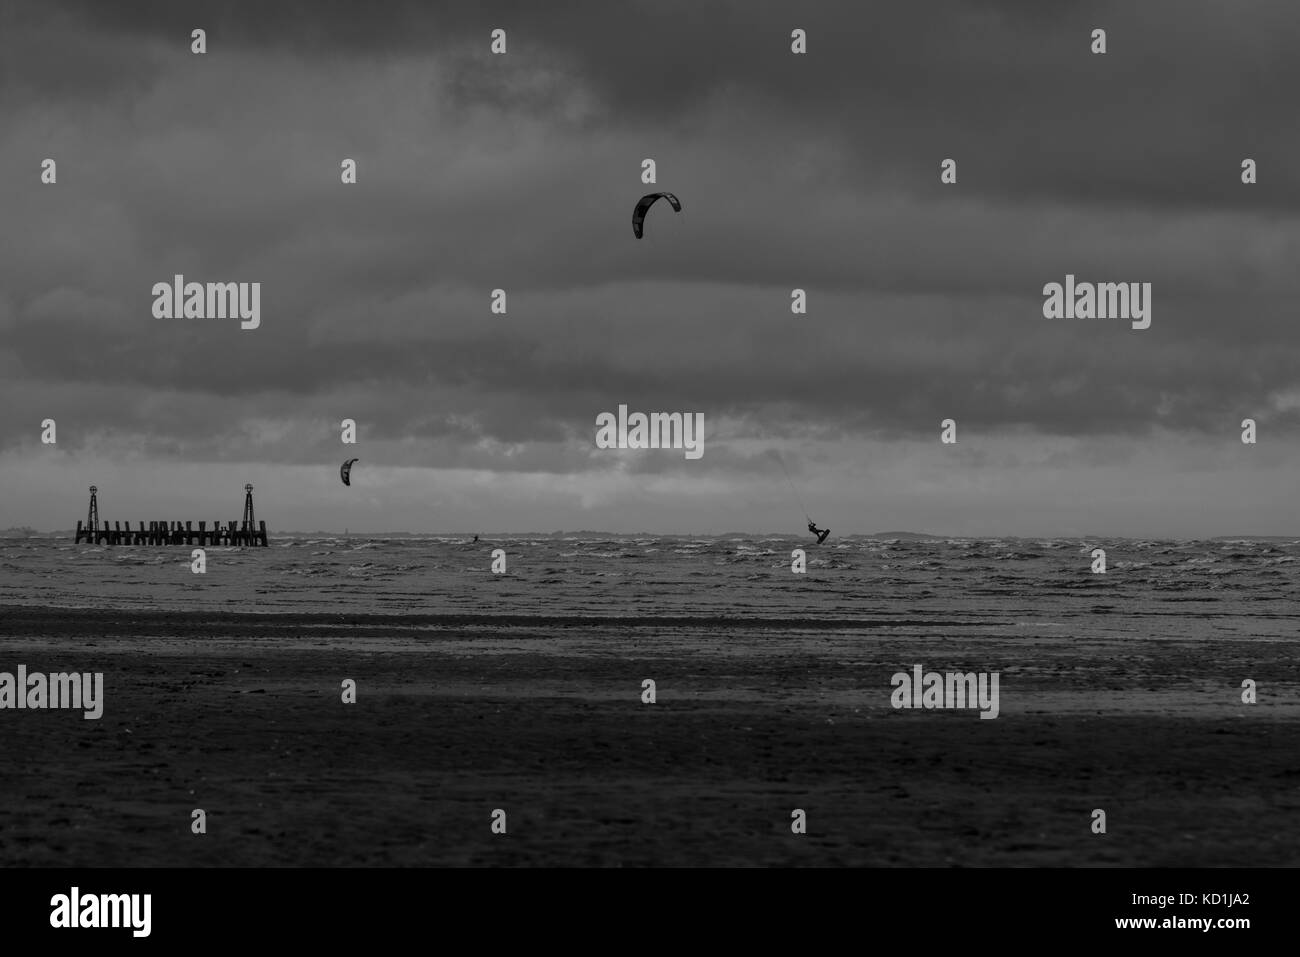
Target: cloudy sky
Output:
[{"x": 520, "y": 172}]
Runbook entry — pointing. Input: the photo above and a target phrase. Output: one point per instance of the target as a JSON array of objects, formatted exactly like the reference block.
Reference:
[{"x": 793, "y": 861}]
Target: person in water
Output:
[{"x": 819, "y": 532}]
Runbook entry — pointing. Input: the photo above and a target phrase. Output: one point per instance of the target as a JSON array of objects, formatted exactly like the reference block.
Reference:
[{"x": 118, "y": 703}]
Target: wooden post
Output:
[{"x": 171, "y": 532}]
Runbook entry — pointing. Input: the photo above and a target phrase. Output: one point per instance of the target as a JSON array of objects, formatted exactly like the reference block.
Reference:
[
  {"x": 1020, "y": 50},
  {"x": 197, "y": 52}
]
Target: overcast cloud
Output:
[{"x": 520, "y": 172}]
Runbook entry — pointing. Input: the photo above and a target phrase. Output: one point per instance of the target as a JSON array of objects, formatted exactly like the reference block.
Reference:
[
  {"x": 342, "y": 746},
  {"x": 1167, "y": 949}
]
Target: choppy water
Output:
[{"x": 1152, "y": 588}]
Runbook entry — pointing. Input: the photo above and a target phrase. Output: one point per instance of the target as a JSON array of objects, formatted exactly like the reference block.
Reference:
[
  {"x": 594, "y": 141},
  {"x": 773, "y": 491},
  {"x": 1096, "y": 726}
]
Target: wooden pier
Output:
[
  {"x": 173, "y": 533},
  {"x": 246, "y": 532}
]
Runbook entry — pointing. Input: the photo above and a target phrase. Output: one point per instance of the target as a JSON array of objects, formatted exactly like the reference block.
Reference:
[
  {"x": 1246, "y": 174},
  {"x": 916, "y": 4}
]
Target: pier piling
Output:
[{"x": 171, "y": 532}]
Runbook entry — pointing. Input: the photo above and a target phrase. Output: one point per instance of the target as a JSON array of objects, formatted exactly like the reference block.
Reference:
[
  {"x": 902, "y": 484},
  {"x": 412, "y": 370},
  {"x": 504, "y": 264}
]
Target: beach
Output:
[{"x": 542, "y": 717}]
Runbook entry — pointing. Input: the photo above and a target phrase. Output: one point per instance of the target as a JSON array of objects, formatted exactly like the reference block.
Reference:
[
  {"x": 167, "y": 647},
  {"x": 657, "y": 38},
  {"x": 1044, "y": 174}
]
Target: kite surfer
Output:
[{"x": 812, "y": 526}]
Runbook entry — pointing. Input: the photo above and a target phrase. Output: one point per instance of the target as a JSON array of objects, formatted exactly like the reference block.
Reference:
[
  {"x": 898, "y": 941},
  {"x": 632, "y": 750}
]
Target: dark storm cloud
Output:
[
  {"x": 817, "y": 171},
  {"x": 1186, "y": 90}
]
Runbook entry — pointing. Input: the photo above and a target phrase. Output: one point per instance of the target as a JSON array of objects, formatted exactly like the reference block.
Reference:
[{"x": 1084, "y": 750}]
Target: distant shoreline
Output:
[{"x": 486, "y": 537}]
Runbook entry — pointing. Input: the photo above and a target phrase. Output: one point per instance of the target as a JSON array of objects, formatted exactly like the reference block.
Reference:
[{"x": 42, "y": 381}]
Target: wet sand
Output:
[{"x": 542, "y": 717}]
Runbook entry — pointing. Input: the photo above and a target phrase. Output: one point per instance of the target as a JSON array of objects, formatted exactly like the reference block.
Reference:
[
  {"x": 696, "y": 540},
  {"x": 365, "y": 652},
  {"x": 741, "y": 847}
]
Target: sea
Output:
[{"x": 1187, "y": 590}]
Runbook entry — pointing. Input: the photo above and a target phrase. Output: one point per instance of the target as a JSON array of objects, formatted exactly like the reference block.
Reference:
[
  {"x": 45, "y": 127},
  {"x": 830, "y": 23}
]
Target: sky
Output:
[{"x": 818, "y": 171}]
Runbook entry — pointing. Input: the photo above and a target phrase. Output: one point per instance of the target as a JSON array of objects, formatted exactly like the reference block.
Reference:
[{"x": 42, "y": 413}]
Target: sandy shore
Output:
[{"x": 241, "y": 716}]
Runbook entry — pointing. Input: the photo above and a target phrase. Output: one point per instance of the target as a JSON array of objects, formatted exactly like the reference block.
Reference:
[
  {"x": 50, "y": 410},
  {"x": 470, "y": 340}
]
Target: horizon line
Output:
[{"x": 28, "y": 530}]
